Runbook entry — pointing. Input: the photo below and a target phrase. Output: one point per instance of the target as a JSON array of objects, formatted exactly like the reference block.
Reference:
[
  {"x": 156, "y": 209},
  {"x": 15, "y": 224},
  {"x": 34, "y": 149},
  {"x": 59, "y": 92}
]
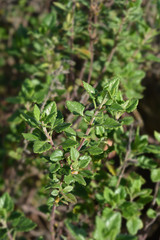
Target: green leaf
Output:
[
  {"x": 23, "y": 224},
  {"x": 50, "y": 113},
  {"x": 54, "y": 167},
  {"x": 70, "y": 198},
  {"x": 77, "y": 232},
  {"x": 6, "y": 202},
  {"x": 62, "y": 127},
  {"x": 112, "y": 222},
  {"x": 158, "y": 197},
  {"x": 155, "y": 175},
  {"x": 75, "y": 107},
  {"x": 151, "y": 213},
  {"x": 129, "y": 209},
  {"x": 41, "y": 146},
  {"x": 153, "y": 149},
  {"x": 146, "y": 163},
  {"x": 157, "y": 136},
  {"x": 110, "y": 123},
  {"x": 100, "y": 130},
  {"x": 78, "y": 178},
  {"x": 59, "y": 119},
  {"x": 84, "y": 161},
  {"x": 30, "y": 136},
  {"x": 56, "y": 156},
  {"x": 86, "y": 173},
  {"x": 69, "y": 179},
  {"x": 39, "y": 96},
  {"x": 127, "y": 120},
  {"x": 112, "y": 86},
  {"x": 116, "y": 107},
  {"x": 60, "y": 5},
  {"x": 132, "y": 105},
  {"x": 108, "y": 226},
  {"x": 50, "y": 19},
  {"x": 95, "y": 150},
  {"x": 54, "y": 192},
  {"x": 91, "y": 91},
  {"x": 108, "y": 195},
  {"x": 74, "y": 154},
  {"x": 68, "y": 189},
  {"x": 152, "y": 57},
  {"x": 29, "y": 119},
  {"x": 134, "y": 224},
  {"x": 36, "y": 112},
  {"x": 70, "y": 132},
  {"x": 68, "y": 143}
]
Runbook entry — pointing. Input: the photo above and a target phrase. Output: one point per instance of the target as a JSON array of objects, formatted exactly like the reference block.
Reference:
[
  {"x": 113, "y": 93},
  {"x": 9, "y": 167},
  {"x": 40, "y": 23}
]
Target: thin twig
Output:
[
  {"x": 93, "y": 16},
  {"x": 49, "y": 137},
  {"x": 109, "y": 4},
  {"x": 125, "y": 163},
  {"x": 51, "y": 226},
  {"x": 90, "y": 125},
  {"x": 30, "y": 209},
  {"x": 155, "y": 193},
  {"x": 10, "y": 237},
  {"x": 149, "y": 223},
  {"x": 71, "y": 42},
  {"x": 146, "y": 230}
]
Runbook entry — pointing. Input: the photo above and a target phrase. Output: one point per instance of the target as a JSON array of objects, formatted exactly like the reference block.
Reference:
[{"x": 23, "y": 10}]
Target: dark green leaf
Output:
[
  {"x": 41, "y": 146},
  {"x": 62, "y": 127},
  {"x": 95, "y": 150},
  {"x": 3, "y": 233},
  {"x": 29, "y": 119},
  {"x": 54, "y": 167},
  {"x": 126, "y": 237},
  {"x": 68, "y": 143}
]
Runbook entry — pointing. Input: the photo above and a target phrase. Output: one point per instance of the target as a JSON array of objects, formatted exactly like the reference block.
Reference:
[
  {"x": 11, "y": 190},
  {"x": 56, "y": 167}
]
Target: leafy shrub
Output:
[{"x": 76, "y": 111}]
